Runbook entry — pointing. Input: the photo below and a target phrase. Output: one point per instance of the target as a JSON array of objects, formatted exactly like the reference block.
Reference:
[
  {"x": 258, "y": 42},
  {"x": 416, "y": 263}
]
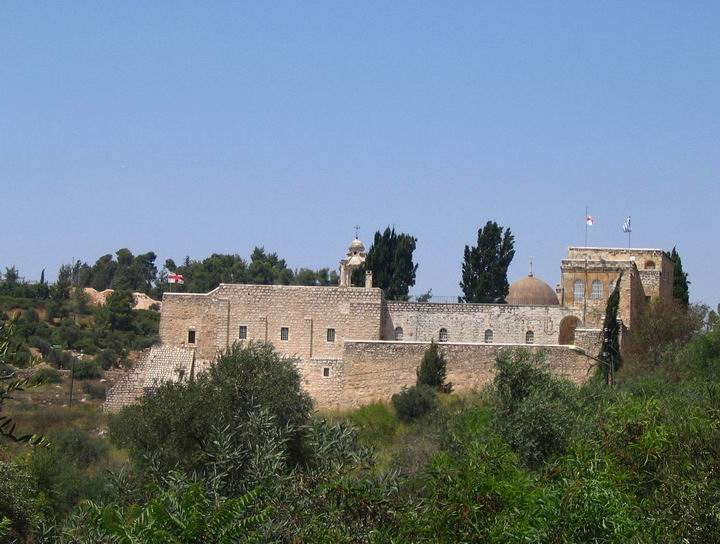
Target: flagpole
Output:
[
  {"x": 586, "y": 225},
  {"x": 629, "y": 230}
]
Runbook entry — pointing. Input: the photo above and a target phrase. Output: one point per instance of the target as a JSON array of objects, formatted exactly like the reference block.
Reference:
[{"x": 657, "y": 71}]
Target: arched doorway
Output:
[{"x": 567, "y": 330}]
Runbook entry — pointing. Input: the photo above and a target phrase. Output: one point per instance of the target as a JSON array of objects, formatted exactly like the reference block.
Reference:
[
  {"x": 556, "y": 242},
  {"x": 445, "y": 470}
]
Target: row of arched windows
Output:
[{"x": 443, "y": 335}]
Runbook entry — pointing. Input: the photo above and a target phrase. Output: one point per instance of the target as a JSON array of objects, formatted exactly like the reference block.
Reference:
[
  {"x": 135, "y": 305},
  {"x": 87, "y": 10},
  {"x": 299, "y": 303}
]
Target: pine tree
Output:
[
  {"x": 485, "y": 266},
  {"x": 681, "y": 292},
  {"x": 390, "y": 260},
  {"x": 610, "y": 351}
]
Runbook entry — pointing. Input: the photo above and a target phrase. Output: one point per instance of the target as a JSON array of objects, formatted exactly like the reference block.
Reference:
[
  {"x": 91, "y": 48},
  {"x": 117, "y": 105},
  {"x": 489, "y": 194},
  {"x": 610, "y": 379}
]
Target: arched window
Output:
[
  {"x": 489, "y": 336},
  {"x": 649, "y": 265},
  {"x": 579, "y": 290},
  {"x": 529, "y": 337},
  {"x": 443, "y": 335},
  {"x": 398, "y": 334},
  {"x": 597, "y": 290}
]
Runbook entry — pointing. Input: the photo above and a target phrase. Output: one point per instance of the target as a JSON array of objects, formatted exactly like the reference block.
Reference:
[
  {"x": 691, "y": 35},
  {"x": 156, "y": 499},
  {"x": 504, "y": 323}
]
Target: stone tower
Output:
[{"x": 353, "y": 260}]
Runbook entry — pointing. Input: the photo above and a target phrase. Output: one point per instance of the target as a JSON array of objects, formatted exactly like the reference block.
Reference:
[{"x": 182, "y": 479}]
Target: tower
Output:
[{"x": 353, "y": 260}]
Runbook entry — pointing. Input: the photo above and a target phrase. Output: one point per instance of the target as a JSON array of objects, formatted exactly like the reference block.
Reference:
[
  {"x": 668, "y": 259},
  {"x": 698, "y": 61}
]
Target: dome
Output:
[
  {"x": 357, "y": 245},
  {"x": 531, "y": 290}
]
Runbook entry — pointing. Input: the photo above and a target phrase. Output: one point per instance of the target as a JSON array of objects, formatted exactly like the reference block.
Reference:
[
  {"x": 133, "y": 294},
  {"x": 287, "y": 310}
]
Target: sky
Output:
[{"x": 191, "y": 128}]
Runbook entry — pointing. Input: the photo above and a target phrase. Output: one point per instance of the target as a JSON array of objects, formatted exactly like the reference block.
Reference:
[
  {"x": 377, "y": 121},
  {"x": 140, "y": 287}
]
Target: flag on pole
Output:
[
  {"x": 626, "y": 225},
  {"x": 176, "y": 278},
  {"x": 589, "y": 220}
]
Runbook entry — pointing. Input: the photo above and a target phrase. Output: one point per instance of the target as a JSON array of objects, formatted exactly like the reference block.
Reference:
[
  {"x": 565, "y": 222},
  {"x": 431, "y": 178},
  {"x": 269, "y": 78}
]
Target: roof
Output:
[{"x": 532, "y": 291}]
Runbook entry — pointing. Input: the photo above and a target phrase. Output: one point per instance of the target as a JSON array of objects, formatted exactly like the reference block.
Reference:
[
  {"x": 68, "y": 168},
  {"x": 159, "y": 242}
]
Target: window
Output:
[
  {"x": 597, "y": 290},
  {"x": 443, "y": 335},
  {"x": 398, "y": 334},
  {"x": 284, "y": 334},
  {"x": 650, "y": 265},
  {"x": 243, "y": 332},
  {"x": 579, "y": 290},
  {"x": 489, "y": 336},
  {"x": 331, "y": 335},
  {"x": 326, "y": 372},
  {"x": 529, "y": 337},
  {"x": 191, "y": 336}
]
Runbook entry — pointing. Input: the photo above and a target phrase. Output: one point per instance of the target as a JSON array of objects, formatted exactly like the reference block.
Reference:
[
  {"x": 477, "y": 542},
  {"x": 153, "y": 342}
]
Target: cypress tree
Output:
[
  {"x": 485, "y": 266},
  {"x": 610, "y": 350},
  {"x": 390, "y": 259},
  {"x": 681, "y": 292}
]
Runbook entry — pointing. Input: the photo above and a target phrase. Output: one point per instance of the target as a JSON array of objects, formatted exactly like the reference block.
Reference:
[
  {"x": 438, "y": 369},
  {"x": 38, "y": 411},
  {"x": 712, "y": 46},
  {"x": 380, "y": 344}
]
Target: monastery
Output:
[{"x": 354, "y": 347}]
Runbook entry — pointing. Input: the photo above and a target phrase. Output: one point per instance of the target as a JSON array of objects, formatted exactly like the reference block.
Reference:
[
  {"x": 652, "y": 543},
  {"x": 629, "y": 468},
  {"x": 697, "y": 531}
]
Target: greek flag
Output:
[{"x": 626, "y": 225}]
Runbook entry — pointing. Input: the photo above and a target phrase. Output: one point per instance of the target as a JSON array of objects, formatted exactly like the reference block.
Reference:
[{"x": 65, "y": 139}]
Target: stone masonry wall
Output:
[
  {"x": 374, "y": 371},
  {"x": 468, "y": 322},
  {"x": 306, "y": 312},
  {"x": 158, "y": 365}
]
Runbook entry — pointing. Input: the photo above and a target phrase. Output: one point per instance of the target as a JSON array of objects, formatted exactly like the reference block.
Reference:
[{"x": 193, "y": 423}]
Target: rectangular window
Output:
[
  {"x": 191, "y": 336},
  {"x": 284, "y": 334},
  {"x": 331, "y": 335},
  {"x": 243, "y": 332},
  {"x": 326, "y": 372}
]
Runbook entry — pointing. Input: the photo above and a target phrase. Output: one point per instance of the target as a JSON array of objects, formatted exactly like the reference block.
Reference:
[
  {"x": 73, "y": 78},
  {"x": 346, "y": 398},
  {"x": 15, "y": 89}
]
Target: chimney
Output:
[{"x": 368, "y": 279}]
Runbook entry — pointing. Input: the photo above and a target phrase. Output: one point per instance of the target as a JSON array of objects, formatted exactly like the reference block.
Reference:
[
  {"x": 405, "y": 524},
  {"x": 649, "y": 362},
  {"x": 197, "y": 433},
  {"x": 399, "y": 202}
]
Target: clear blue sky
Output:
[{"x": 191, "y": 128}]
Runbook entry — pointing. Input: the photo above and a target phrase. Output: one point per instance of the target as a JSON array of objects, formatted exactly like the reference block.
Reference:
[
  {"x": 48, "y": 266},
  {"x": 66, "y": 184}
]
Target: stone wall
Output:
[
  {"x": 158, "y": 365},
  {"x": 468, "y": 322},
  {"x": 374, "y": 371},
  {"x": 264, "y": 310}
]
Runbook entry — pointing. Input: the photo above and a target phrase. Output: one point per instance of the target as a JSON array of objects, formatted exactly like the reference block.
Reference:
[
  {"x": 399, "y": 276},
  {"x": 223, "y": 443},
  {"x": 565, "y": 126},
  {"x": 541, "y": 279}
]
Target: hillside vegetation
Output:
[{"x": 239, "y": 455}]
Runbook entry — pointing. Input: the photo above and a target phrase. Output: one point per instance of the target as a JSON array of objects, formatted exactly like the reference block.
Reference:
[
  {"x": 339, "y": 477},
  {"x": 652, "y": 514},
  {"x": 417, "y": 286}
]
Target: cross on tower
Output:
[
  {"x": 530, "y": 274},
  {"x": 357, "y": 228}
]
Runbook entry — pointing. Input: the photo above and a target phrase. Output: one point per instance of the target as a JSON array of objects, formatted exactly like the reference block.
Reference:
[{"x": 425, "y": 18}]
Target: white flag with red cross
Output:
[{"x": 176, "y": 278}]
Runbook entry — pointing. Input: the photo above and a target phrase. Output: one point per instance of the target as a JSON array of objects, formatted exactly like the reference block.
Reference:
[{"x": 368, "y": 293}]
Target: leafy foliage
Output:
[
  {"x": 610, "y": 351},
  {"x": 390, "y": 258},
  {"x": 433, "y": 370},
  {"x": 172, "y": 423},
  {"x": 681, "y": 291},
  {"x": 535, "y": 412},
  {"x": 485, "y": 266},
  {"x": 414, "y": 402}
]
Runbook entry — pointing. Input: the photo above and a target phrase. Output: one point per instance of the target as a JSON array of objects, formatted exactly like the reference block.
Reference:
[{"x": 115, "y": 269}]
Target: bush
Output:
[
  {"x": 95, "y": 390},
  {"x": 17, "y": 502},
  {"x": 107, "y": 359},
  {"x": 414, "y": 402},
  {"x": 78, "y": 445},
  {"x": 433, "y": 370},
  {"x": 61, "y": 359},
  {"x": 46, "y": 375},
  {"x": 87, "y": 370},
  {"x": 173, "y": 423},
  {"x": 535, "y": 412},
  {"x": 41, "y": 344}
]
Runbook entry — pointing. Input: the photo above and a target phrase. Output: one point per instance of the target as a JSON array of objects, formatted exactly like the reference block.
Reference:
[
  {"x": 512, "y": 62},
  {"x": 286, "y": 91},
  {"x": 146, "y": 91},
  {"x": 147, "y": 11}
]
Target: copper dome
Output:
[{"x": 531, "y": 290}]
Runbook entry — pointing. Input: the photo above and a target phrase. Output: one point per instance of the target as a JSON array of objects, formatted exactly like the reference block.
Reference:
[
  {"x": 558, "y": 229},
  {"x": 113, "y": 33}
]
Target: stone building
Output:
[{"x": 353, "y": 346}]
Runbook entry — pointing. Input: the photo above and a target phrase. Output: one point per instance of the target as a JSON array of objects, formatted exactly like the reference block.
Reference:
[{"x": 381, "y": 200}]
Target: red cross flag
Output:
[
  {"x": 589, "y": 221},
  {"x": 176, "y": 278}
]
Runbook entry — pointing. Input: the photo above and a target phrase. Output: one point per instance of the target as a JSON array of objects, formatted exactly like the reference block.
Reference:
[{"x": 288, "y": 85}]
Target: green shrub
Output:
[
  {"x": 61, "y": 359},
  {"x": 78, "y": 445},
  {"x": 41, "y": 344},
  {"x": 87, "y": 370},
  {"x": 107, "y": 359},
  {"x": 433, "y": 370},
  {"x": 414, "y": 402},
  {"x": 173, "y": 423},
  {"x": 45, "y": 375},
  {"x": 95, "y": 390},
  {"x": 535, "y": 412},
  {"x": 17, "y": 502}
]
